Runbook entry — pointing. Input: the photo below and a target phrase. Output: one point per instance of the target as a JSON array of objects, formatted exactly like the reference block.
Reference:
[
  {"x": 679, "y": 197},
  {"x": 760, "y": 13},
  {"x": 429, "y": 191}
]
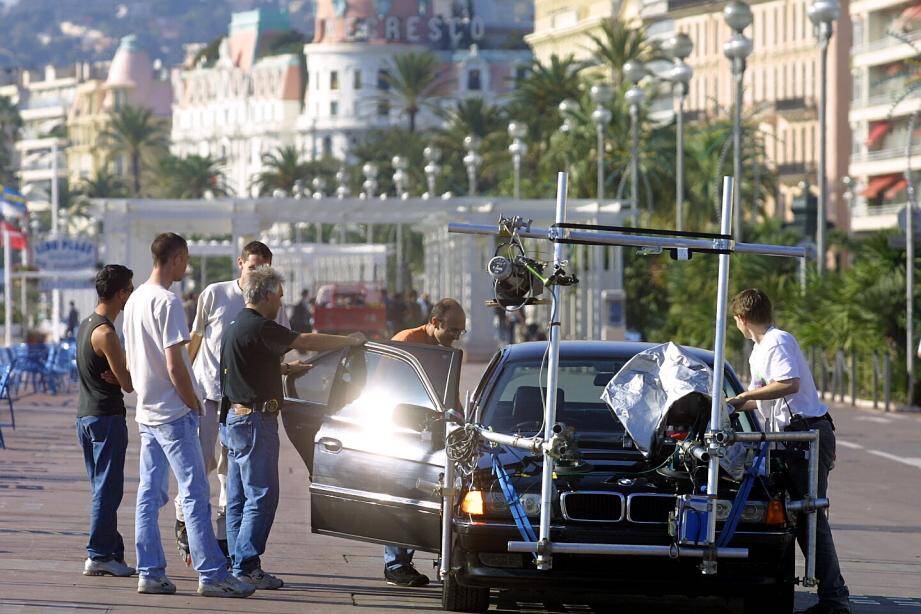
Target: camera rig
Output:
[{"x": 520, "y": 281}]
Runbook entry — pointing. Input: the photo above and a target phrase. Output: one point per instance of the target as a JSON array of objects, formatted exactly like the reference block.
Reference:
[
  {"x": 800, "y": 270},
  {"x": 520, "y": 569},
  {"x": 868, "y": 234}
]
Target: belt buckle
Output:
[
  {"x": 242, "y": 411},
  {"x": 270, "y": 406}
]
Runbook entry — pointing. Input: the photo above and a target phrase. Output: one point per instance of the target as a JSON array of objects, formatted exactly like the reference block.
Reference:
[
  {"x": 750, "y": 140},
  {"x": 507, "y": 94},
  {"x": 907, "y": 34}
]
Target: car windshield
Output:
[{"x": 516, "y": 402}]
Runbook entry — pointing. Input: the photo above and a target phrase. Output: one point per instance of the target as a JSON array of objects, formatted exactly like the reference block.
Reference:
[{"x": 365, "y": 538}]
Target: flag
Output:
[
  {"x": 13, "y": 204},
  {"x": 18, "y": 238}
]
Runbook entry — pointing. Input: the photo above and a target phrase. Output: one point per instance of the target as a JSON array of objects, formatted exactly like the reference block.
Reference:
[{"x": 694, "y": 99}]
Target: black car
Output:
[{"x": 370, "y": 425}]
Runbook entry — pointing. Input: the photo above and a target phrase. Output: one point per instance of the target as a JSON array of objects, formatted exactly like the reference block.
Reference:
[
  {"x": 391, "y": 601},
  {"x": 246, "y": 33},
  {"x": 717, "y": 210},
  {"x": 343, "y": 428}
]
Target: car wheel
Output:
[
  {"x": 777, "y": 600},
  {"x": 456, "y": 597}
]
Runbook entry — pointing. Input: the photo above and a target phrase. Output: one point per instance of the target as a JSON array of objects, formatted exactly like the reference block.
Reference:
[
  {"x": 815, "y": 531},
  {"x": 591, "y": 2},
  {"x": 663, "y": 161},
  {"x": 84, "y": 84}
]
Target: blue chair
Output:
[{"x": 6, "y": 372}]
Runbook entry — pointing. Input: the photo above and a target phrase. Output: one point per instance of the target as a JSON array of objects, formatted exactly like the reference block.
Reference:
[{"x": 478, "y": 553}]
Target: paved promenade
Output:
[{"x": 44, "y": 506}]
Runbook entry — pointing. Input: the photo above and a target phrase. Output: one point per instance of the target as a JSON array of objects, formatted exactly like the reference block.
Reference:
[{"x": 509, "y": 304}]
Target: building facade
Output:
[
  {"x": 885, "y": 58},
  {"x": 243, "y": 101},
  {"x": 781, "y": 92}
]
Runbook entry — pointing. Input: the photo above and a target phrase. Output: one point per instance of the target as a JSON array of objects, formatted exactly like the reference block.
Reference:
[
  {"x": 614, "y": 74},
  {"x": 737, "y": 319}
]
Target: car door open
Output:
[{"x": 378, "y": 459}]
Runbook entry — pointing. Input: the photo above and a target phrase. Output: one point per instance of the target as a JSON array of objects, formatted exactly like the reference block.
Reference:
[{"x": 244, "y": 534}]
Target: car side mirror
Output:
[
  {"x": 452, "y": 415},
  {"x": 410, "y": 416}
]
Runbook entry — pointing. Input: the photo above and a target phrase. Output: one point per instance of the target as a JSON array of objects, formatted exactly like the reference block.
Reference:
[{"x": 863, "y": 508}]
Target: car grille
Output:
[
  {"x": 649, "y": 509},
  {"x": 592, "y": 506}
]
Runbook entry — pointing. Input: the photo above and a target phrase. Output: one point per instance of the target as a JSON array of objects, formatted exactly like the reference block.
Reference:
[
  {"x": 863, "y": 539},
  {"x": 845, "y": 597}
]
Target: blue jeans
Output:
[
  {"x": 396, "y": 557},
  {"x": 104, "y": 440},
  {"x": 252, "y": 485},
  {"x": 175, "y": 446}
]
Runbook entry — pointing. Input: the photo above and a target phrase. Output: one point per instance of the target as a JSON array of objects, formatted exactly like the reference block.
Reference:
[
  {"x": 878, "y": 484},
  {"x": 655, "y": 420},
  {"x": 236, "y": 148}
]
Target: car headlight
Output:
[
  {"x": 752, "y": 512},
  {"x": 530, "y": 502}
]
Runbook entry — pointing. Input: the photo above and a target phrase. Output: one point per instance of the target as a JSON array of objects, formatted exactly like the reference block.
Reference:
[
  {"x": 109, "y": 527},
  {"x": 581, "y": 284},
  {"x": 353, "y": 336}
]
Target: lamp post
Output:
[
  {"x": 822, "y": 14},
  {"x": 399, "y": 180},
  {"x": 737, "y": 16},
  {"x": 472, "y": 161},
  {"x": 517, "y": 131},
  {"x": 369, "y": 187},
  {"x": 601, "y": 95},
  {"x": 679, "y": 47},
  {"x": 342, "y": 181},
  {"x": 634, "y": 72},
  {"x": 432, "y": 155}
]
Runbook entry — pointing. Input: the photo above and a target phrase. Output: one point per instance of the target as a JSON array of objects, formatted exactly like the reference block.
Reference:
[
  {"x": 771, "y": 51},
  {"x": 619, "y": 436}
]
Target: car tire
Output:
[
  {"x": 456, "y": 597},
  {"x": 777, "y": 600}
]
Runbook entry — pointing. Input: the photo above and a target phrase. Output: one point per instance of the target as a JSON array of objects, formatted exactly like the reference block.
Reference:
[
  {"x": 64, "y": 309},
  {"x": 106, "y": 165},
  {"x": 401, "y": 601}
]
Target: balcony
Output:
[
  {"x": 796, "y": 109},
  {"x": 795, "y": 169},
  {"x": 888, "y": 48},
  {"x": 871, "y": 218},
  {"x": 885, "y": 91}
]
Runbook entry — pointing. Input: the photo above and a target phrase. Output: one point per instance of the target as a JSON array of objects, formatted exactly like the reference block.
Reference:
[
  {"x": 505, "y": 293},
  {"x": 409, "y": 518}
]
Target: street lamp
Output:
[
  {"x": 601, "y": 95},
  {"x": 517, "y": 131},
  {"x": 432, "y": 155},
  {"x": 472, "y": 161},
  {"x": 319, "y": 184},
  {"x": 298, "y": 189},
  {"x": 400, "y": 165},
  {"x": 679, "y": 47},
  {"x": 634, "y": 72},
  {"x": 369, "y": 188},
  {"x": 737, "y": 16},
  {"x": 342, "y": 180},
  {"x": 823, "y": 14}
]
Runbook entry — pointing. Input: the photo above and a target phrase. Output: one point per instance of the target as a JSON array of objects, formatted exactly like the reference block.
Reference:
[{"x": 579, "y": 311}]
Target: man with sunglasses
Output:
[
  {"x": 446, "y": 325},
  {"x": 101, "y": 428}
]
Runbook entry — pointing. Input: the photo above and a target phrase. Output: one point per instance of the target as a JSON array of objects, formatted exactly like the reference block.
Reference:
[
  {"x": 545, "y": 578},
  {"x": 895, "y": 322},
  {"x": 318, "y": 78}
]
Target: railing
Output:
[
  {"x": 882, "y": 43},
  {"x": 887, "y": 153},
  {"x": 865, "y": 210},
  {"x": 846, "y": 377}
]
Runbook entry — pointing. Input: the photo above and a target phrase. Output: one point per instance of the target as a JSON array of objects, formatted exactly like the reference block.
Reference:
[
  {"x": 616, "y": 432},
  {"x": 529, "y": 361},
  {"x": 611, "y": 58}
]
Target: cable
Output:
[{"x": 462, "y": 448}]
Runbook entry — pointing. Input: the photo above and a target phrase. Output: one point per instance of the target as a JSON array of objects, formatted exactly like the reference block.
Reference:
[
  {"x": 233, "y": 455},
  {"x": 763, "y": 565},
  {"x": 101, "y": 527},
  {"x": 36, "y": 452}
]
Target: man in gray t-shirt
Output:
[{"x": 218, "y": 305}]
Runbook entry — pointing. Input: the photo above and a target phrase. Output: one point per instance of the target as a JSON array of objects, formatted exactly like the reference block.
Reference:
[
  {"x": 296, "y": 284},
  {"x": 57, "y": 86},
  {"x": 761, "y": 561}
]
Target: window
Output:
[
  {"x": 316, "y": 385},
  {"x": 333, "y": 108},
  {"x": 383, "y": 80},
  {"x": 473, "y": 79},
  {"x": 383, "y": 108},
  {"x": 327, "y": 146},
  {"x": 334, "y": 80},
  {"x": 356, "y": 80}
]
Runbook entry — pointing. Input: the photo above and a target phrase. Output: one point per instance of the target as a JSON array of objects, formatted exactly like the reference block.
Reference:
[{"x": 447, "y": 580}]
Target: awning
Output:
[
  {"x": 911, "y": 13},
  {"x": 877, "y": 132},
  {"x": 878, "y": 184},
  {"x": 895, "y": 188}
]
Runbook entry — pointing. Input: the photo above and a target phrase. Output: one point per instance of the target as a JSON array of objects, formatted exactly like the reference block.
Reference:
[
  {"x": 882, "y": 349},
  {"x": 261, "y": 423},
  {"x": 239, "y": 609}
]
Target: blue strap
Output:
[
  {"x": 741, "y": 499},
  {"x": 511, "y": 499}
]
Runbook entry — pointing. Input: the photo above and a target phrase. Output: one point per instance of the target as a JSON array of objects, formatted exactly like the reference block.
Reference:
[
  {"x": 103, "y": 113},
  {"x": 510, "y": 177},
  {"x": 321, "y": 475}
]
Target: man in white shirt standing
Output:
[
  {"x": 167, "y": 411},
  {"x": 218, "y": 305},
  {"x": 784, "y": 393}
]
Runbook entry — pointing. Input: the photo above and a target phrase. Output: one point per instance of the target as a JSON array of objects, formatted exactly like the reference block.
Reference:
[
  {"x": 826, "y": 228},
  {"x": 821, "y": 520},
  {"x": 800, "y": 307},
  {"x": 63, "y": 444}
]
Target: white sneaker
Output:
[
  {"x": 228, "y": 587},
  {"x": 156, "y": 586},
  {"x": 261, "y": 580},
  {"x": 107, "y": 568}
]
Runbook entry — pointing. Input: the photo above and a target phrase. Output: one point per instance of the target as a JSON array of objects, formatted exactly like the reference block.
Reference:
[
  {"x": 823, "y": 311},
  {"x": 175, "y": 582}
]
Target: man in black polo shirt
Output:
[
  {"x": 101, "y": 428},
  {"x": 251, "y": 351}
]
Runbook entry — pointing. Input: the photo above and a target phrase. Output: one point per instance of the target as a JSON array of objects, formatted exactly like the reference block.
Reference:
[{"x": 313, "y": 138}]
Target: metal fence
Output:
[{"x": 846, "y": 376}]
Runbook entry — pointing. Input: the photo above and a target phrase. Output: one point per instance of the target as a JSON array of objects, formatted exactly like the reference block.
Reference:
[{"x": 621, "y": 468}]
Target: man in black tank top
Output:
[{"x": 101, "y": 428}]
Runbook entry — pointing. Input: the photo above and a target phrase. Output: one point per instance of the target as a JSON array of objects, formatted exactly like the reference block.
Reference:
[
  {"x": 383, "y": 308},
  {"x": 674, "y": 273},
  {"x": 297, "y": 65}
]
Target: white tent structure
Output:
[{"x": 454, "y": 265}]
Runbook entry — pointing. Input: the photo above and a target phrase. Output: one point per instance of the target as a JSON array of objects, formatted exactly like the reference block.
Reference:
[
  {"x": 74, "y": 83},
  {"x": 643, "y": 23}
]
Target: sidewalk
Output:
[{"x": 44, "y": 511}]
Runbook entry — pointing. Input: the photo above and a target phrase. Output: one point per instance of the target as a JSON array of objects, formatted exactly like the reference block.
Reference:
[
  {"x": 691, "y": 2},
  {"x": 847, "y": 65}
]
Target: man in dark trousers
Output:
[
  {"x": 446, "y": 324},
  {"x": 101, "y": 428},
  {"x": 784, "y": 393},
  {"x": 301, "y": 317},
  {"x": 73, "y": 321},
  {"x": 251, "y": 369}
]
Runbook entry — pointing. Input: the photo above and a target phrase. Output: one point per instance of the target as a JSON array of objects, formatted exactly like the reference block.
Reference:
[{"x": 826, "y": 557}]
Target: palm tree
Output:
[
  {"x": 414, "y": 81},
  {"x": 190, "y": 177},
  {"x": 618, "y": 44},
  {"x": 281, "y": 169},
  {"x": 473, "y": 116},
  {"x": 134, "y": 132},
  {"x": 104, "y": 184},
  {"x": 10, "y": 123}
]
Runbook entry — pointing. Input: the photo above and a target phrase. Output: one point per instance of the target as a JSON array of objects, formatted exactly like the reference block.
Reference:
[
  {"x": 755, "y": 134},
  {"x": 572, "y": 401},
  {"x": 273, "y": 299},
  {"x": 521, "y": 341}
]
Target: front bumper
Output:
[{"x": 768, "y": 551}]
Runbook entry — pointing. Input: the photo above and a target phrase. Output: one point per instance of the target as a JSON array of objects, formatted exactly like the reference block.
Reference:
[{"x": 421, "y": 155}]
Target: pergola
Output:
[{"x": 455, "y": 265}]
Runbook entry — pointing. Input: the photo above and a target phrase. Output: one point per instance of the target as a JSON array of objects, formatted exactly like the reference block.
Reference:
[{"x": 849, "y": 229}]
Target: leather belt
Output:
[{"x": 269, "y": 407}]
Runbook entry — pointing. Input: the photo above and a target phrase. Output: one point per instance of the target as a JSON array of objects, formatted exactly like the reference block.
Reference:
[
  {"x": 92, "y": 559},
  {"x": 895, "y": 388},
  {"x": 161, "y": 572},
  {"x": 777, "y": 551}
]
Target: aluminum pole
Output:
[
  {"x": 634, "y": 161},
  {"x": 516, "y": 163},
  {"x": 7, "y": 289},
  {"x": 55, "y": 227},
  {"x": 545, "y": 556},
  {"x": 447, "y": 516},
  {"x": 719, "y": 358},
  {"x": 812, "y": 518},
  {"x": 823, "y": 181},
  {"x": 600, "y": 136},
  {"x": 679, "y": 171},
  {"x": 399, "y": 256},
  {"x": 737, "y": 153},
  {"x": 910, "y": 293}
]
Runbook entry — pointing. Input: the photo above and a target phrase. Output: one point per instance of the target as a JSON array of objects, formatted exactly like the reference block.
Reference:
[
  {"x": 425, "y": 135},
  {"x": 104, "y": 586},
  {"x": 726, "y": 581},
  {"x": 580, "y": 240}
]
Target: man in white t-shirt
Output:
[
  {"x": 167, "y": 411},
  {"x": 218, "y": 305},
  {"x": 783, "y": 391}
]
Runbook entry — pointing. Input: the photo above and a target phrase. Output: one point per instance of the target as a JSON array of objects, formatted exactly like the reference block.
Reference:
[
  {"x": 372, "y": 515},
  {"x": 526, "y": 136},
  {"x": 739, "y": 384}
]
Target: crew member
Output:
[
  {"x": 447, "y": 323},
  {"x": 217, "y": 306},
  {"x": 101, "y": 428},
  {"x": 784, "y": 392},
  {"x": 251, "y": 371}
]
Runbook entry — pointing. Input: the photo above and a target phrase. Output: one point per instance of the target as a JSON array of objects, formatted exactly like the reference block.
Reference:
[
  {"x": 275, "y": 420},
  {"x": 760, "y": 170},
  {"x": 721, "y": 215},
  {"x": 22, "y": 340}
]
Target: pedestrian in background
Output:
[
  {"x": 73, "y": 321},
  {"x": 783, "y": 391},
  {"x": 251, "y": 370},
  {"x": 156, "y": 334},
  {"x": 302, "y": 314},
  {"x": 101, "y": 428}
]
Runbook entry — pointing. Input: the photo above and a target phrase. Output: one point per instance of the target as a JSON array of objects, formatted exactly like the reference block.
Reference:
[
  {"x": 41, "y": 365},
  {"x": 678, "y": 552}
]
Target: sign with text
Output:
[{"x": 65, "y": 254}]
